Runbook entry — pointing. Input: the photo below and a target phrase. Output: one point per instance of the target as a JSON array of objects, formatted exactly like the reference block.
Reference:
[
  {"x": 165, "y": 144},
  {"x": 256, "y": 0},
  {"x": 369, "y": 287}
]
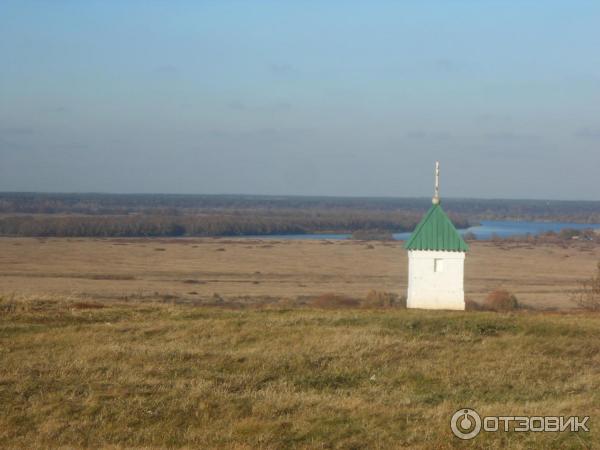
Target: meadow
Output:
[
  {"x": 202, "y": 271},
  {"x": 151, "y": 375},
  {"x": 219, "y": 343}
]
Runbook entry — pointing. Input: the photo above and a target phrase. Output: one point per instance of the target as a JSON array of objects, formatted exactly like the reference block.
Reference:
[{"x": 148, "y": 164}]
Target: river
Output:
[{"x": 486, "y": 230}]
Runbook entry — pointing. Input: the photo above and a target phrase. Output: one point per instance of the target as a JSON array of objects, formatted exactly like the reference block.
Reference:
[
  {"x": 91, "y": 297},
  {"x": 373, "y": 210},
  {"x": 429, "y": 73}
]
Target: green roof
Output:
[{"x": 436, "y": 232}]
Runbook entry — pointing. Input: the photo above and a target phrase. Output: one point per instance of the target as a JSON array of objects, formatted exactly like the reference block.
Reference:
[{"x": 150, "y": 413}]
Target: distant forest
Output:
[{"x": 113, "y": 215}]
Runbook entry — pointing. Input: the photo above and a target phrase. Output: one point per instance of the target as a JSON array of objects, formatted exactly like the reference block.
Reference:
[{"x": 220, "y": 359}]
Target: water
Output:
[
  {"x": 506, "y": 228},
  {"x": 487, "y": 229}
]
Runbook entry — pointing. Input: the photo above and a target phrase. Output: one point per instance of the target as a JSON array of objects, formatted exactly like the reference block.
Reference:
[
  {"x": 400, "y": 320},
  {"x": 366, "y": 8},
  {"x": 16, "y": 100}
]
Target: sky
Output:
[{"x": 341, "y": 98}]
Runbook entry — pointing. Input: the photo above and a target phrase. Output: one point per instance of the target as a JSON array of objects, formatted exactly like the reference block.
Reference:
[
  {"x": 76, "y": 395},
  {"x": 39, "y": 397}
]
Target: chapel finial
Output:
[{"x": 436, "y": 197}]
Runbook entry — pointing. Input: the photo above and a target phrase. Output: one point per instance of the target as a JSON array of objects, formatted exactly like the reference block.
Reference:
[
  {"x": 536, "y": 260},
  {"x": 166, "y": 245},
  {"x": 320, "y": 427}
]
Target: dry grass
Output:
[
  {"x": 251, "y": 270},
  {"x": 99, "y": 346},
  {"x": 588, "y": 296},
  {"x": 151, "y": 375}
]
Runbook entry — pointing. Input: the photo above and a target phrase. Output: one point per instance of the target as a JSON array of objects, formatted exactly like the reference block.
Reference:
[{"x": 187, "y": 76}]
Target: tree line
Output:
[
  {"x": 231, "y": 223},
  {"x": 48, "y": 214},
  {"x": 176, "y": 204}
]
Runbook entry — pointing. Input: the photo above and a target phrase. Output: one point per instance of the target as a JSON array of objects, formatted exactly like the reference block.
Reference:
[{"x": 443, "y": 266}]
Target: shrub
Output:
[
  {"x": 501, "y": 300},
  {"x": 569, "y": 233},
  {"x": 401, "y": 301},
  {"x": 588, "y": 297},
  {"x": 469, "y": 236},
  {"x": 331, "y": 300},
  {"x": 379, "y": 299},
  {"x": 471, "y": 305},
  {"x": 87, "y": 305},
  {"x": 111, "y": 276}
]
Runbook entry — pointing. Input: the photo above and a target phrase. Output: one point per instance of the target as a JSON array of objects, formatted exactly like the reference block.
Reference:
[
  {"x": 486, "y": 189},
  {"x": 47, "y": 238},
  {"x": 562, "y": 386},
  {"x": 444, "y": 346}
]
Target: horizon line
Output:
[{"x": 387, "y": 197}]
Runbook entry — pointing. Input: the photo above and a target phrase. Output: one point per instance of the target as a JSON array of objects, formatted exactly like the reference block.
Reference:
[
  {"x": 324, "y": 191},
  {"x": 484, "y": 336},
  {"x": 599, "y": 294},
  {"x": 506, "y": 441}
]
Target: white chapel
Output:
[{"x": 436, "y": 257}]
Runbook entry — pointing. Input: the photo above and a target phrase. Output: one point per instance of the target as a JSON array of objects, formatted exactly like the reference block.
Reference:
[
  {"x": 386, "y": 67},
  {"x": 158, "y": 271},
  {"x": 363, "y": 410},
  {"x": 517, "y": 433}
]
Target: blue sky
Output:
[{"x": 312, "y": 98}]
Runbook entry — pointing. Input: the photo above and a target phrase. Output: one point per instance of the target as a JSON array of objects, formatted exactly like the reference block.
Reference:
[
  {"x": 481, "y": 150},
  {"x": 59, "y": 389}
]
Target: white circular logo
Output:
[{"x": 465, "y": 423}]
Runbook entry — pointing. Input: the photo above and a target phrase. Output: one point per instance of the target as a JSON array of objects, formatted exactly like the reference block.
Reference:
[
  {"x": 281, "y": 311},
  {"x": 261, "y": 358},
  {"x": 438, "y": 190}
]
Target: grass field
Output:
[
  {"x": 247, "y": 271},
  {"x": 152, "y": 375},
  {"x": 213, "y": 343}
]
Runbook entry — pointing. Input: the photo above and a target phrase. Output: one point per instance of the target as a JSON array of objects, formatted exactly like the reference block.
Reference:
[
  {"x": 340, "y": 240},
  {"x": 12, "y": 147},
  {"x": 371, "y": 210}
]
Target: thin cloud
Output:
[
  {"x": 283, "y": 70},
  {"x": 17, "y": 131},
  {"x": 260, "y": 135},
  {"x": 447, "y": 65},
  {"x": 166, "y": 69},
  {"x": 505, "y": 153},
  {"x": 237, "y": 105},
  {"x": 510, "y": 136},
  {"x": 59, "y": 109},
  {"x": 279, "y": 106},
  {"x": 8, "y": 145},
  {"x": 588, "y": 133},
  {"x": 429, "y": 135},
  {"x": 493, "y": 118}
]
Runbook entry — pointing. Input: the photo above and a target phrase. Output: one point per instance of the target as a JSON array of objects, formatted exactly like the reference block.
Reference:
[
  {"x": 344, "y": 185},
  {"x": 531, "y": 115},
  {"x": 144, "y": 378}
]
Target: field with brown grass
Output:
[
  {"x": 214, "y": 343},
  {"x": 248, "y": 271}
]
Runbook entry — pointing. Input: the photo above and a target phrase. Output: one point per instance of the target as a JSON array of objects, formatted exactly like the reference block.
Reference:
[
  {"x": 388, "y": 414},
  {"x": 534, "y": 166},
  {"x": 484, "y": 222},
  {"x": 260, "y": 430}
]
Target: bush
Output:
[
  {"x": 569, "y": 233},
  {"x": 588, "y": 297},
  {"x": 471, "y": 305},
  {"x": 330, "y": 300},
  {"x": 501, "y": 300},
  {"x": 379, "y": 299},
  {"x": 87, "y": 305},
  {"x": 469, "y": 236}
]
